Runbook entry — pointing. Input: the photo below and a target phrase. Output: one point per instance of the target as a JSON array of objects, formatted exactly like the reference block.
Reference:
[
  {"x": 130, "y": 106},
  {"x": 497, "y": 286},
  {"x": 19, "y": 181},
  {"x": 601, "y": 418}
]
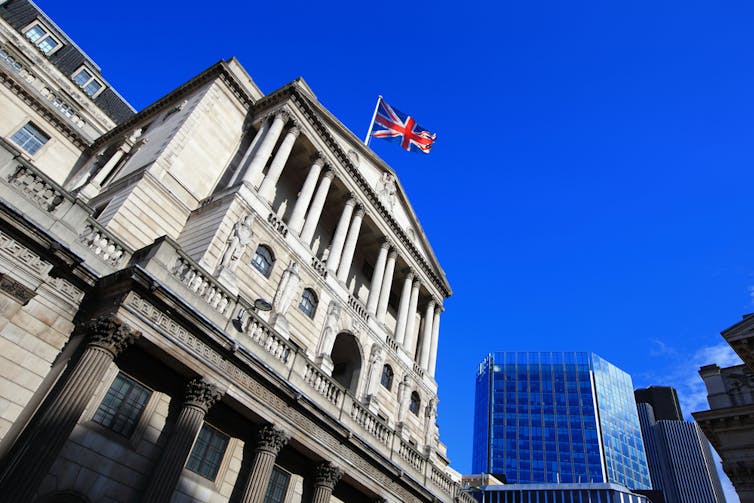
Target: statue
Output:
[
  {"x": 404, "y": 395},
  {"x": 386, "y": 190},
  {"x": 375, "y": 369},
  {"x": 429, "y": 431},
  {"x": 286, "y": 291},
  {"x": 239, "y": 238}
]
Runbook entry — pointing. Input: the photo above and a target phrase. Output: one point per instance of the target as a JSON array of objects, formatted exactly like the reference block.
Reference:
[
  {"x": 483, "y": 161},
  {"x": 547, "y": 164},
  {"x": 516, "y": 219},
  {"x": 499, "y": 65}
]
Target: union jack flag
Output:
[{"x": 392, "y": 124}]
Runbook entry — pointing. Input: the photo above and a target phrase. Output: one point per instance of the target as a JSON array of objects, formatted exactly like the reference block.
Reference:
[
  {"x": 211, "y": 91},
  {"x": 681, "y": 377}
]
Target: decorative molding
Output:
[
  {"x": 16, "y": 290},
  {"x": 36, "y": 188},
  {"x": 22, "y": 255},
  {"x": 327, "y": 475},
  {"x": 111, "y": 334},
  {"x": 201, "y": 394},
  {"x": 271, "y": 439}
]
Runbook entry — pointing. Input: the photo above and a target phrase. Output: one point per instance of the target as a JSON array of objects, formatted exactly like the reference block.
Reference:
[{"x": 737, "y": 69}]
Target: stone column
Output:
[
  {"x": 315, "y": 210},
  {"x": 262, "y": 154},
  {"x": 296, "y": 222},
  {"x": 426, "y": 342},
  {"x": 336, "y": 248},
  {"x": 51, "y": 426},
  {"x": 350, "y": 247},
  {"x": 263, "y": 128},
  {"x": 435, "y": 337},
  {"x": 278, "y": 163},
  {"x": 400, "y": 325},
  {"x": 200, "y": 396},
  {"x": 269, "y": 444},
  {"x": 410, "y": 340},
  {"x": 377, "y": 275},
  {"x": 387, "y": 284},
  {"x": 326, "y": 476}
]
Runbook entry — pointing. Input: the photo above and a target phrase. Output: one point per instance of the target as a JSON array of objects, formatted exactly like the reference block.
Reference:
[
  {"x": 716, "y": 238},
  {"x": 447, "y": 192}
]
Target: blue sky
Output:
[{"x": 590, "y": 188}]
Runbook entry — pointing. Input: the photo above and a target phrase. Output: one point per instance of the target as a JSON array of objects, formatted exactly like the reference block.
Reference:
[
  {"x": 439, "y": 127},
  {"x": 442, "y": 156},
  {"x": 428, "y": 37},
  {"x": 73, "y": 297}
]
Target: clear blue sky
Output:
[{"x": 591, "y": 186}]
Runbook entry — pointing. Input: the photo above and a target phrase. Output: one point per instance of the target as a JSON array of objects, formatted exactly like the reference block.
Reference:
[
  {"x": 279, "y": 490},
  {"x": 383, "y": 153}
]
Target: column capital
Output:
[
  {"x": 386, "y": 243},
  {"x": 349, "y": 199},
  {"x": 111, "y": 334},
  {"x": 409, "y": 272},
  {"x": 318, "y": 158},
  {"x": 417, "y": 283},
  {"x": 328, "y": 173},
  {"x": 359, "y": 210},
  {"x": 327, "y": 474},
  {"x": 295, "y": 130},
  {"x": 392, "y": 253},
  {"x": 271, "y": 439},
  {"x": 202, "y": 394},
  {"x": 283, "y": 115},
  {"x": 439, "y": 308}
]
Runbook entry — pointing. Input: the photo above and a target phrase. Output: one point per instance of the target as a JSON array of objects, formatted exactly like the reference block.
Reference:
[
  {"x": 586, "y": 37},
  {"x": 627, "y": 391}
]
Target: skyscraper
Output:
[
  {"x": 557, "y": 417},
  {"x": 679, "y": 457}
]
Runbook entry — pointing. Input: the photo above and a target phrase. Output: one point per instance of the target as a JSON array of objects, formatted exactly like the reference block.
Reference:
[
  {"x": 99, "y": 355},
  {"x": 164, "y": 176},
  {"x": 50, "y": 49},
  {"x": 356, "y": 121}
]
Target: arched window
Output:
[
  {"x": 263, "y": 260},
  {"x": 387, "y": 377},
  {"x": 413, "y": 405},
  {"x": 308, "y": 302}
]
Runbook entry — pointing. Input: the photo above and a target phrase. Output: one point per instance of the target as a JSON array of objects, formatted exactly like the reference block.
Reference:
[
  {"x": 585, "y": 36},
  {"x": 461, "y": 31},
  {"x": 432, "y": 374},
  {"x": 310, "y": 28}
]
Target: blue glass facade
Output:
[{"x": 557, "y": 418}]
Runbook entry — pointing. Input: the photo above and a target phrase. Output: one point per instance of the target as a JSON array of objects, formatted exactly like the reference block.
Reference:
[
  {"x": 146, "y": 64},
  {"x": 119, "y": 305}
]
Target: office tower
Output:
[
  {"x": 664, "y": 402},
  {"x": 557, "y": 418}
]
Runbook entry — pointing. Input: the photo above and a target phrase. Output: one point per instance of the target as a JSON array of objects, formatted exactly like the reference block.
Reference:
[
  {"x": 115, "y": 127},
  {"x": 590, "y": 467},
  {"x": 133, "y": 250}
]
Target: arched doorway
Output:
[{"x": 346, "y": 359}]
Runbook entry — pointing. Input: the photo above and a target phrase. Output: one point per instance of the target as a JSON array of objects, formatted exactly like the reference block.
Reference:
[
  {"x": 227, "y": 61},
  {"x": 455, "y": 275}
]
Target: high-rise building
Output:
[
  {"x": 678, "y": 455},
  {"x": 557, "y": 418},
  {"x": 223, "y": 296}
]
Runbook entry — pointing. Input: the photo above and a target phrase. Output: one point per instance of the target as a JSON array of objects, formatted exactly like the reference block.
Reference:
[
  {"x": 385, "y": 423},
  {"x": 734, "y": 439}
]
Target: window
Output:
[
  {"x": 87, "y": 81},
  {"x": 308, "y": 302},
  {"x": 387, "y": 377},
  {"x": 40, "y": 36},
  {"x": 263, "y": 260},
  {"x": 413, "y": 405},
  {"x": 30, "y": 138},
  {"x": 208, "y": 452},
  {"x": 278, "y": 486},
  {"x": 123, "y": 405}
]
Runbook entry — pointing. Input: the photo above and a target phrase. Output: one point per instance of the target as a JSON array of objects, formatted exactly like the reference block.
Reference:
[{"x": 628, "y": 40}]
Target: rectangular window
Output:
[
  {"x": 40, "y": 36},
  {"x": 208, "y": 452},
  {"x": 86, "y": 80},
  {"x": 278, "y": 486},
  {"x": 30, "y": 138},
  {"x": 123, "y": 405}
]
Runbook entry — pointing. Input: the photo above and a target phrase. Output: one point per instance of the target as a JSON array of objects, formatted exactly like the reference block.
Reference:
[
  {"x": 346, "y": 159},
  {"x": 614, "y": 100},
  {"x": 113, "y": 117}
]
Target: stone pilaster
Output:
[
  {"x": 269, "y": 444},
  {"x": 199, "y": 398},
  {"x": 49, "y": 429},
  {"x": 326, "y": 476}
]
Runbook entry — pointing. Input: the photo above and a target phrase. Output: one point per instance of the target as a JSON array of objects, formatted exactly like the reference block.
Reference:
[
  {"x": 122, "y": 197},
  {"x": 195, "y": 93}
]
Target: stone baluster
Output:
[
  {"x": 400, "y": 325},
  {"x": 426, "y": 342},
  {"x": 262, "y": 154},
  {"x": 269, "y": 444},
  {"x": 296, "y": 222},
  {"x": 251, "y": 150},
  {"x": 435, "y": 337},
  {"x": 350, "y": 246},
  {"x": 387, "y": 284},
  {"x": 326, "y": 476},
  {"x": 339, "y": 239},
  {"x": 377, "y": 275},
  {"x": 200, "y": 397},
  {"x": 410, "y": 340},
  {"x": 315, "y": 210},
  {"x": 266, "y": 190},
  {"x": 52, "y": 425}
]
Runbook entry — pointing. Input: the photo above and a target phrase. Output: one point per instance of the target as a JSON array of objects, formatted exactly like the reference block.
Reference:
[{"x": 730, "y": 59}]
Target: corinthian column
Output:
[
  {"x": 305, "y": 195},
  {"x": 252, "y": 148},
  {"x": 400, "y": 324},
  {"x": 268, "y": 446},
  {"x": 387, "y": 284},
  {"x": 410, "y": 340},
  {"x": 336, "y": 248},
  {"x": 427, "y": 335},
  {"x": 259, "y": 160},
  {"x": 49, "y": 429},
  {"x": 278, "y": 163},
  {"x": 435, "y": 337},
  {"x": 200, "y": 396},
  {"x": 350, "y": 246},
  {"x": 315, "y": 211},
  {"x": 377, "y": 275},
  {"x": 326, "y": 476}
]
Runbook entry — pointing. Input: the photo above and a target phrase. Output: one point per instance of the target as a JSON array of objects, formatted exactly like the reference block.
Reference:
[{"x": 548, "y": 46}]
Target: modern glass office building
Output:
[{"x": 557, "y": 418}]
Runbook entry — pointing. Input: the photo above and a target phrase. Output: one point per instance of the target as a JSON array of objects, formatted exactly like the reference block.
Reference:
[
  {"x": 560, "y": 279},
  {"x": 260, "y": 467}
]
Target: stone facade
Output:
[{"x": 222, "y": 297}]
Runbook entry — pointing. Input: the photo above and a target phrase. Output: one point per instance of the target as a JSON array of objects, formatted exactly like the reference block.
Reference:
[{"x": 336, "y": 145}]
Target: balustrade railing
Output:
[
  {"x": 320, "y": 267},
  {"x": 277, "y": 224},
  {"x": 418, "y": 369},
  {"x": 370, "y": 423},
  {"x": 358, "y": 307},
  {"x": 411, "y": 456},
  {"x": 322, "y": 383},
  {"x": 36, "y": 188},
  {"x": 102, "y": 243},
  {"x": 265, "y": 337},
  {"x": 201, "y": 284},
  {"x": 440, "y": 479}
]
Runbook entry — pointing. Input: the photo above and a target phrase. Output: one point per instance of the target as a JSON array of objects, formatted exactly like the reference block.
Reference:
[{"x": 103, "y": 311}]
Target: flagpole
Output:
[{"x": 371, "y": 124}]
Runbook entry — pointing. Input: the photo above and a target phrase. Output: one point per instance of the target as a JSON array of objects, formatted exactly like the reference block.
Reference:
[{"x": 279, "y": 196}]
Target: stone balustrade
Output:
[
  {"x": 202, "y": 284},
  {"x": 265, "y": 337},
  {"x": 371, "y": 423},
  {"x": 103, "y": 244},
  {"x": 323, "y": 384},
  {"x": 418, "y": 369},
  {"x": 441, "y": 480},
  {"x": 391, "y": 343},
  {"x": 358, "y": 307},
  {"x": 277, "y": 224},
  {"x": 320, "y": 267},
  {"x": 37, "y": 188},
  {"x": 411, "y": 456}
]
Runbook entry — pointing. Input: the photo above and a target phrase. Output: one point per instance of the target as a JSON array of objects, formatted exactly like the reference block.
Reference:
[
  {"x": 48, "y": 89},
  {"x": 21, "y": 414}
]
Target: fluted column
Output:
[
  {"x": 426, "y": 341},
  {"x": 410, "y": 340},
  {"x": 387, "y": 284},
  {"x": 268, "y": 446},
  {"x": 267, "y": 188},
  {"x": 296, "y": 222},
  {"x": 251, "y": 150},
  {"x": 377, "y": 275},
  {"x": 200, "y": 396},
  {"x": 350, "y": 246},
  {"x": 336, "y": 248},
  {"x": 315, "y": 210},
  {"x": 400, "y": 325},
  {"x": 49, "y": 429},
  {"x": 326, "y": 476},
  {"x": 435, "y": 338},
  {"x": 262, "y": 154}
]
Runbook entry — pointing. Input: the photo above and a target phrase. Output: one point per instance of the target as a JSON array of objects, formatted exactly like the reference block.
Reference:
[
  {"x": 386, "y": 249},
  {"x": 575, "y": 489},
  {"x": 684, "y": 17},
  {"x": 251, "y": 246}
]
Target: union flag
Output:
[{"x": 392, "y": 124}]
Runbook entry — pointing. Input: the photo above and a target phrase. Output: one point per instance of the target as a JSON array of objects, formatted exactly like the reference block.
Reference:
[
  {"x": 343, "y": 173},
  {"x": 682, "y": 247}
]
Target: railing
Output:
[
  {"x": 391, "y": 343},
  {"x": 277, "y": 224},
  {"x": 358, "y": 307},
  {"x": 102, "y": 244},
  {"x": 322, "y": 383},
  {"x": 320, "y": 267},
  {"x": 36, "y": 188},
  {"x": 204, "y": 286},
  {"x": 418, "y": 369},
  {"x": 411, "y": 455},
  {"x": 371, "y": 423},
  {"x": 441, "y": 480},
  {"x": 265, "y": 337}
]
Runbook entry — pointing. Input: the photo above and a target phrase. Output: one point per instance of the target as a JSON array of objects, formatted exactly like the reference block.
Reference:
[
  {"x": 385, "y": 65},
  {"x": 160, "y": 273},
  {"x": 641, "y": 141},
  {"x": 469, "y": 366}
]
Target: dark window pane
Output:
[
  {"x": 122, "y": 406},
  {"x": 278, "y": 486},
  {"x": 208, "y": 452}
]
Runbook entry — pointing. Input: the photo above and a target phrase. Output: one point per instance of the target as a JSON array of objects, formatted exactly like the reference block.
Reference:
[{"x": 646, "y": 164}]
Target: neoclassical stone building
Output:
[{"x": 223, "y": 297}]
